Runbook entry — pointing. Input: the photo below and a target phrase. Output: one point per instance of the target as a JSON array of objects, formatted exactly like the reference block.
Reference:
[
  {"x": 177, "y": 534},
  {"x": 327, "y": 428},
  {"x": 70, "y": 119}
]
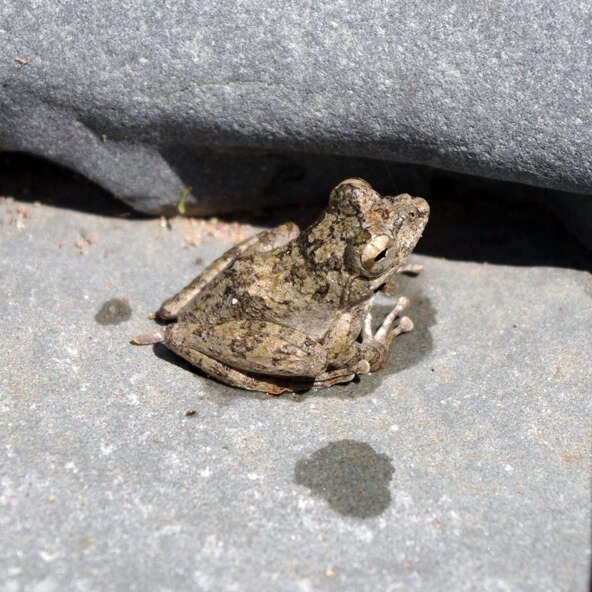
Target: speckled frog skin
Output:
[{"x": 288, "y": 310}]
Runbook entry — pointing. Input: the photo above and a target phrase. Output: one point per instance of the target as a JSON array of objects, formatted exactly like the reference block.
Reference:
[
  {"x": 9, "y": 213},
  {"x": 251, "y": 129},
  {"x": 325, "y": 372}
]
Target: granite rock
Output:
[{"x": 257, "y": 103}]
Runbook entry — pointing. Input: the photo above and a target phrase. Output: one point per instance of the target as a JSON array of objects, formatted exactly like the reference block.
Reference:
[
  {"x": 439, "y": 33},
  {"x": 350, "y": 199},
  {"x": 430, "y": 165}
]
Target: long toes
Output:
[
  {"x": 367, "y": 326},
  {"x": 402, "y": 304}
]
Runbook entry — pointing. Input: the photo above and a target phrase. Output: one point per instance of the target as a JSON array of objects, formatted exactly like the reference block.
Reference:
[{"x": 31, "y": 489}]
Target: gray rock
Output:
[
  {"x": 267, "y": 102},
  {"x": 464, "y": 465}
]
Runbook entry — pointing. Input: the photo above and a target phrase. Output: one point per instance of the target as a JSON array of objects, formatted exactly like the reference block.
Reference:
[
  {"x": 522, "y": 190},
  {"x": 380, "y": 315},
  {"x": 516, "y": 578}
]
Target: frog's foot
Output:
[
  {"x": 381, "y": 341},
  {"x": 337, "y": 376}
]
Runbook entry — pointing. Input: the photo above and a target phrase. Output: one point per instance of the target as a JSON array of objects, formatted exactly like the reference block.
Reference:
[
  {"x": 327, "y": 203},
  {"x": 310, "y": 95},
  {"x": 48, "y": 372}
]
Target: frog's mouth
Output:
[{"x": 378, "y": 283}]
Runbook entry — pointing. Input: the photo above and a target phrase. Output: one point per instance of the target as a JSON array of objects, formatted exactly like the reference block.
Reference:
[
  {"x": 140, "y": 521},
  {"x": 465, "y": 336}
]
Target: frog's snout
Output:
[
  {"x": 422, "y": 207},
  {"x": 354, "y": 183}
]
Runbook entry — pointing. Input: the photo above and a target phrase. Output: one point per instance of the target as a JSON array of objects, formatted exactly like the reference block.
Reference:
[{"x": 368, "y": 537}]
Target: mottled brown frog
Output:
[{"x": 287, "y": 310}]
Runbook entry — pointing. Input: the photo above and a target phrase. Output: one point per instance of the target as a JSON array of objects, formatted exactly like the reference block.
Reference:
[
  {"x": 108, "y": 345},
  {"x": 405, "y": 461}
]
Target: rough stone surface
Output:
[
  {"x": 271, "y": 101},
  {"x": 464, "y": 465}
]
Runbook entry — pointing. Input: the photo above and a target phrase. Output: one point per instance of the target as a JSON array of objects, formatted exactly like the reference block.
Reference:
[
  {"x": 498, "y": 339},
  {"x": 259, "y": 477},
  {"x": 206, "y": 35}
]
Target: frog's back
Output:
[{"x": 277, "y": 286}]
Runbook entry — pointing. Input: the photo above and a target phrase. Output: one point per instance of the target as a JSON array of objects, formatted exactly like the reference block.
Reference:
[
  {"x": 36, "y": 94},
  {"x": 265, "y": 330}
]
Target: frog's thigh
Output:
[
  {"x": 254, "y": 346},
  {"x": 264, "y": 241}
]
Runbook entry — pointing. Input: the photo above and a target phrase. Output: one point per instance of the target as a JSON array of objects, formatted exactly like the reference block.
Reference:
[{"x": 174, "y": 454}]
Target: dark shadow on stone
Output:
[
  {"x": 269, "y": 179},
  {"x": 351, "y": 476},
  {"x": 475, "y": 219},
  {"x": 30, "y": 178},
  {"x": 218, "y": 392},
  {"x": 472, "y": 219}
]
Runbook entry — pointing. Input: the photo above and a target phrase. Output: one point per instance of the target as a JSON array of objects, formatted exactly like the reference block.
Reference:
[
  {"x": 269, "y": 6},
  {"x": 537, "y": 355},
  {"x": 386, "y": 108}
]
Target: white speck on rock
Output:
[
  {"x": 106, "y": 449},
  {"x": 70, "y": 466},
  {"x": 47, "y": 555},
  {"x": 46, "y": 585}
]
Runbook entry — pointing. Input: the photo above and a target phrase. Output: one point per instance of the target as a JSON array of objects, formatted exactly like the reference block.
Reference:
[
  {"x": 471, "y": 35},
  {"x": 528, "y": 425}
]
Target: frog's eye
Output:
[
  {"x": 375, "y": 251},
  {"x": 374, "y": 257}
]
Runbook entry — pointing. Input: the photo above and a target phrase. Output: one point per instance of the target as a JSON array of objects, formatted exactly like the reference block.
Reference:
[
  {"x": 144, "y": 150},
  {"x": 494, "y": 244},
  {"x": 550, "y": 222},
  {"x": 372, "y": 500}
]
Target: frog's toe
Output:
[
  {"x": 385, "y": 329},
  {"x": 367, "y": 325},
  {"x": 405, "y": 325},
  {"x": 363, "y": 367},
  {"x": 410, "y": 268},
  {"x": 376, "y": 349}
]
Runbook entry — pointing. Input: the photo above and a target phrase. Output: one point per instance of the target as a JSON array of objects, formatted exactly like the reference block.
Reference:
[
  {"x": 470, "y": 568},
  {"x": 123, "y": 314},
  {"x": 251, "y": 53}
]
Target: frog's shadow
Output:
[{"x": 406, "y": 351}]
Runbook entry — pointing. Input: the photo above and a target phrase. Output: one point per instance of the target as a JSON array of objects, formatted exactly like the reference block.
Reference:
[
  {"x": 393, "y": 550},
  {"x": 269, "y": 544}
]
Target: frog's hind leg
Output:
[
  {"x": 272, "y": 385},
  {"x": 260, "y": 356},
  {"x": 256, "y": 347},
  {"x": 239, "y": 378},
  {"x": 264, "y": 241}
]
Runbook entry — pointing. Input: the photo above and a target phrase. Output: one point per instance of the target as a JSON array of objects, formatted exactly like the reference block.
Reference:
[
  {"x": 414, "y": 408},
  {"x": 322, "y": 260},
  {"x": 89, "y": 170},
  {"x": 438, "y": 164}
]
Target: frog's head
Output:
[{"x": 381, "y": 230}]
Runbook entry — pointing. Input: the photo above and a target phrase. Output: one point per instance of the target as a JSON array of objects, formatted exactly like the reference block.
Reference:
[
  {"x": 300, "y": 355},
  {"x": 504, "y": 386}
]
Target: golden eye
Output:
[
  {"x": 370, "y": 256},
  {"x": 375, "y": 251}
]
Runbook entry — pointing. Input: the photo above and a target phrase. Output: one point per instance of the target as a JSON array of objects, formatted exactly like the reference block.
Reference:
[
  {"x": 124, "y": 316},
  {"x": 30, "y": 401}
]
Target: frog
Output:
[{"x": 288, "y": 310}]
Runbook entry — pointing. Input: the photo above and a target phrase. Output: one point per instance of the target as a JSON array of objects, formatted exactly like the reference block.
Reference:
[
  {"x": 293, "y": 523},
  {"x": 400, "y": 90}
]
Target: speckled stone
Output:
[{"x": 464, "y": 465}]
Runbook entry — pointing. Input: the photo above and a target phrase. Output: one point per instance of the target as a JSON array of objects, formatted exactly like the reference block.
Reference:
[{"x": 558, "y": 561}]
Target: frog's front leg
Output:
[
  {"x": 258, "y": 347},
  {"x": 375, "y": 347},
  {"x": 264, "y": 241}
]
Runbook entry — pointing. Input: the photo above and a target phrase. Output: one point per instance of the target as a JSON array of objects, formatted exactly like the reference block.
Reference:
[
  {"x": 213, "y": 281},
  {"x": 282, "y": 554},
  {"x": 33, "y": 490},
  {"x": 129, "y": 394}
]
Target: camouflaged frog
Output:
[{"x": 287, "y": 310}]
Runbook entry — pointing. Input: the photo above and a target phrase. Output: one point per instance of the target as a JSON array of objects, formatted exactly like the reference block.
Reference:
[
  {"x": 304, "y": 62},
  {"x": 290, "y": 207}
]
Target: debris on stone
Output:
[
  {"x": 22, "y": 61},
  {"x": 13, "y": 215},
  {"x": 89, "y": 238},
  {"x": 205, "y": 230},
  {"x": 86, "y": 240}
]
